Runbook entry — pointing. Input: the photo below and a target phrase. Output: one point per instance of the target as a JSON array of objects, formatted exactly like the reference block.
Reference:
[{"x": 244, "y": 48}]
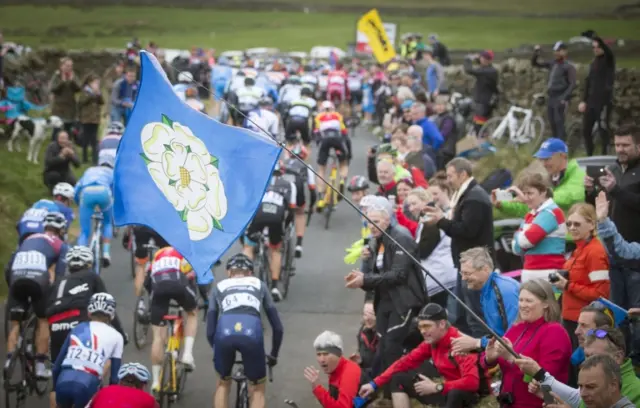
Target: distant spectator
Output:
[
  {"x": 541, "y": 236},
  {"x": 485, "y": 91},
  {"x": 58, "y": 157},
  {"x": 419, "y": 155},
  {"x": 434, "y": 77},
  {"x": 469, "y": 225},
  {"x": 430, "y": 134},
  {"x": 64, "y": 86},
  {"x": 90, "y": 109},
  {"x": 560, "y": 87},
  {"x": 111, "y": 75},
  {"x": 598, "y": 95},
  {"x": 440, "y": 51},
  {"x": 567, "y": 179},
  {"x": 166, "y": 66},
  {"x": 408, "y": 81},
  {"x": 123, "y": 96},
  {"x": 447, "y": 125}
]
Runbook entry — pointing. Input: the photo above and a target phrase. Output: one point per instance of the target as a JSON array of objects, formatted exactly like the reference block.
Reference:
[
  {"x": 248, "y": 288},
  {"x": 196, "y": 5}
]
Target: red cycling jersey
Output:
[
  {"x": 120, "y": 396},
  {"x": 337, "y": 89}
]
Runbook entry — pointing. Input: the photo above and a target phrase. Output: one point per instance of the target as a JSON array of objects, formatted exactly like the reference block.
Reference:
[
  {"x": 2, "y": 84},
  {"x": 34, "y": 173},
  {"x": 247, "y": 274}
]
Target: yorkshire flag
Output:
[{"x": 193, "y": 180}]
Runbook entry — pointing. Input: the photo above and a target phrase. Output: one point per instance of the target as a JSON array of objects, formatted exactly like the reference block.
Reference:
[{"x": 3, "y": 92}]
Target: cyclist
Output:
[
  {"x": 185, "y": 81},
  {"x": 333, "y": 134},
  {"x": 192, "y": 99},
  {"x": 263, "y": 119},
  {"x": 170, "y": 280},
  {"x": 323, "y": 84},
  {"x": 298, "y": 116},
  {"x": 69, "y": 298},
  {"x": 129, "y": 392},
  {"x": 248, "y": 98},
  {"x": 337, "y": 89},
  {"x": 62, "y": 198},
  {"x": 142, "y": 236},
  {"x": 354, "y": 85},
  {"x": 308, "y": 79},
  {"x": 275, "y": 214},
  {"x": 78, "y": 370},
  {"x": 30, "y": 271},
  {"x": 289, "y": 92},
  {"x": 94, "y": 189},
  {"x": 302, "y": 176},
  {"x": 234, "y": 325}
]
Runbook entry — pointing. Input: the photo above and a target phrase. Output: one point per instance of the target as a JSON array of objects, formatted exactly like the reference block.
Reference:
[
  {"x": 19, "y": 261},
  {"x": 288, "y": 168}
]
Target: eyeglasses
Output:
[{"x": 572, "y": 224}]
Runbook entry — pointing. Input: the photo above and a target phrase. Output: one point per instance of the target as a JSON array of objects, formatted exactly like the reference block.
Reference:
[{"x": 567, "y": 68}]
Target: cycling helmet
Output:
[
  {"x": 79, "y": 257},
  {"x": 265, "y": 101},
  {"x": 115, "y": 127},
  {"x": 135, "y": 369},
  {"x": 358, "y": 183},
  {"x": 327, "y": 106},
  {"x": 240, "y": 261},
  {"x": 55, "y": 220},
  {"x": 65, "y": 190},
  {"x": 106, "y": 158},
  {"x": 102, "y": 303},
  {"x": 306, "y": 91},
  {"x": 185, "y": 76},
  {"x": 294, "y": 80}
]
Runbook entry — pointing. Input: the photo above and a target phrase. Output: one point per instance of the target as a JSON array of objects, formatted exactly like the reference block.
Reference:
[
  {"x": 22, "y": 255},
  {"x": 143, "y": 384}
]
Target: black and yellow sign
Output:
[{"x": 371, "y": 26}]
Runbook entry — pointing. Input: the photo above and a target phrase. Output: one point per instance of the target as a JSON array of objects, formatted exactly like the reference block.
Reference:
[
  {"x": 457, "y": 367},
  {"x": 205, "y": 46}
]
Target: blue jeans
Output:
[
  {"x": 91, "y": 197},
  {"x": 75, "y": 388}
]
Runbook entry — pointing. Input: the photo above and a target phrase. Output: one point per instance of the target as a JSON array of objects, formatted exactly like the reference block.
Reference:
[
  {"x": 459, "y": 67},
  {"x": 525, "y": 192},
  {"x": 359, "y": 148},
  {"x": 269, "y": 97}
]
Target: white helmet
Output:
[
  {"x": 136, "y": 369},
  {"x": 115, "y": 128},
  {"x": 102, "y": 303},
  {"x": 79, "y": 257},
  {"x": 64, "y": 189},
  {"x": 185, "y": 76},
  {"x": 55, "y": 220},
  {"x": 106, "y": 158},
  {"x": 327, "y": 105}
]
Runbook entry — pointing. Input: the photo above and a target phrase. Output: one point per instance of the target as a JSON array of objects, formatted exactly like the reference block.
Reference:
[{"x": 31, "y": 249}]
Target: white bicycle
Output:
[{"x": 519, "y": 123}]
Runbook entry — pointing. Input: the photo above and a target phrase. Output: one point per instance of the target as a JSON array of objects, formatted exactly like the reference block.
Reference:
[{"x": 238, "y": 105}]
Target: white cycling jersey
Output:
[
  {"x": 302, "y": 107},
  {"x": 309, "y": 79},
  {"x": 263, "y": 119},
  {"x": 248, "y": 97},
  {"x": 90, "y": 345},
  {"x": 323, "y": 82},
  {"x": 289, "y": 93}
]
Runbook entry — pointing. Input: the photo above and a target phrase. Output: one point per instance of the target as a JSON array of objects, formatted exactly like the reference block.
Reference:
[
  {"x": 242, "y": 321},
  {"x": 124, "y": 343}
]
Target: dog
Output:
[{"x": 37, "y": 130}]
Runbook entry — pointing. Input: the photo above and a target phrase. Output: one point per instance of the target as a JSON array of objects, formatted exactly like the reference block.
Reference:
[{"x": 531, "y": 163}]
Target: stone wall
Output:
[{"x": 519, "y": 81}]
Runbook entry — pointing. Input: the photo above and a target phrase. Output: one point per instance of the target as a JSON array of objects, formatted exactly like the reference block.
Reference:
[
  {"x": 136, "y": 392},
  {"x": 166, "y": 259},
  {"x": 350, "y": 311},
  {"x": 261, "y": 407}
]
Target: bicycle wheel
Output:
[
  {"x": 574, "y": 138},
  {"x": 285, "y": 278},
  {"x": 266, "y": 268},
  {"x": 132, "y": 253},
  {"x": 40, "y": 386},
  {"x": 166, "y": 389},
  {"x": 141, "y": 323},
  {"x": 242, "y": 398},
  {"x": 15, "y": 393},
  {"x": 536, "y": 134},
  {"x": 487, "y": 130}
]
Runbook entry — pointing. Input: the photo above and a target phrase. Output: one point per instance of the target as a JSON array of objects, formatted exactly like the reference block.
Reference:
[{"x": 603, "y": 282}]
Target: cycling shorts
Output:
[
  {"x": 356, "y": 97},
  {"x": 240, "y": 333},
  {"x": 170, "y": 286},
  {"x": 75, "y": 388},
  {"x": 142, "y": 236},
  {"x": 28, "y": 288},
  {"x": 298, "y": 124},
  {"x": 338, "y": 143},
  {"x": 275, "y": 224},
  {"x": 60, "y": 325}
]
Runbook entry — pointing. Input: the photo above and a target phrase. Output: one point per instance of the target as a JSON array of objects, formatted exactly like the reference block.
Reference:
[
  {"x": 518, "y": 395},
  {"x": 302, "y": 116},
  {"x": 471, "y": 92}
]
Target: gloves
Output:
[{"x": 272, "y": 361}]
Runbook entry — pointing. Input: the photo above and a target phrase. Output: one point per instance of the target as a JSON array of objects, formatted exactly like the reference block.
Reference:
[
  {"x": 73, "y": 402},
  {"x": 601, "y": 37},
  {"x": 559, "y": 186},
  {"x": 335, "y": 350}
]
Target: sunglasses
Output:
[
  {"x": 572, "y": 224},
  {"x": 602, "y": 334}
]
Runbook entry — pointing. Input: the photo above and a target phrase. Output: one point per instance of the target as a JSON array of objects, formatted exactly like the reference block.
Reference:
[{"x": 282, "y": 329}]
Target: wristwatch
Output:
[{"x": 439, "y": 387}]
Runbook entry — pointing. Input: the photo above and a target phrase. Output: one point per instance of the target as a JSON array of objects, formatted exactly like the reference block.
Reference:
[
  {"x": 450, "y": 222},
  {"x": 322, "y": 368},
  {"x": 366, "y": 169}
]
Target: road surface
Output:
[{"x": 317, "y": 301}]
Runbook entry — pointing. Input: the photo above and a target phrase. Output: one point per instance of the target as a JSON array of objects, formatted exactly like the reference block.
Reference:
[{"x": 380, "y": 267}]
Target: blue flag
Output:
[{"x": 193, "y": 180}]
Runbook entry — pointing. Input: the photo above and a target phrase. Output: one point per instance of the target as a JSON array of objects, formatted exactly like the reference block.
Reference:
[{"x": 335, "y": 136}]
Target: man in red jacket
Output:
[
  {"x": 463, "y": 378},
  {"x": 344, "y": 375}
]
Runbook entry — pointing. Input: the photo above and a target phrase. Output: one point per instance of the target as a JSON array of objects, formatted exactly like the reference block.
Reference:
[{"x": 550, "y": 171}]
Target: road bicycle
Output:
[
  {"x": 131, "y": 247},
  {"x": 352, "y": 123},
  {"x": 96, "y": 241},
  {"x": 173, "y": 376},
  {"x": 288, "y": 258},
  {"x": 330, "y": 194},
  {"x": 19, "y": 373},
  {"x": 242, "y": 384},
  {"x": 261, "y": 264},
  {"x": 526, "y": 130},
  {"x": 141, "y": 319}
]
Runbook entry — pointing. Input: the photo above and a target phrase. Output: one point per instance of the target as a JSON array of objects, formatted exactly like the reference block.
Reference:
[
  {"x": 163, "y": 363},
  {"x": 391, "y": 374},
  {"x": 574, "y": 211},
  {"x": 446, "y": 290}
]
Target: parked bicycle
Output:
[{"x": 527, "y": 130}]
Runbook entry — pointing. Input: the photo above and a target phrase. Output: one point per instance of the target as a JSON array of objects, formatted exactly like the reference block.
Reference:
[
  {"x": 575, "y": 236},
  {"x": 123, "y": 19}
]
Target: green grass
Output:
[{"x": 102, "y": 27}]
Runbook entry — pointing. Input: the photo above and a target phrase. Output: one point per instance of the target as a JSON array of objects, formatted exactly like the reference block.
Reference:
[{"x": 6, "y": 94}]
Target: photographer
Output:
[{"x": 485, "y": 92}]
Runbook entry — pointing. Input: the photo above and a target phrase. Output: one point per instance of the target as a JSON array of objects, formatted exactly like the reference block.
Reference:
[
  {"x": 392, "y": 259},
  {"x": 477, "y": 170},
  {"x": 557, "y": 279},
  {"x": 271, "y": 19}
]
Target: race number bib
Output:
[
  {"x": 84, "y": 357},
  {"x": 271, "y": 197},
  {"x": 289, "y": 177},
  {"x": 336, "y": 80},
  {"x": 34, "y": 215},
  {"x": 354, "y": 84},
  {"x": 239, "y": 300},
  {"x": 29, "y": 260},
  {"x": 298, "y": 110},
  {"x": 163, "y": 264}
]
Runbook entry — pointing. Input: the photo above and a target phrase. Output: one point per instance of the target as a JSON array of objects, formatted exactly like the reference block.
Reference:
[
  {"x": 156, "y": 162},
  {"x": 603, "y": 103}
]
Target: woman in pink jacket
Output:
[{"x": 537, "y": 334}]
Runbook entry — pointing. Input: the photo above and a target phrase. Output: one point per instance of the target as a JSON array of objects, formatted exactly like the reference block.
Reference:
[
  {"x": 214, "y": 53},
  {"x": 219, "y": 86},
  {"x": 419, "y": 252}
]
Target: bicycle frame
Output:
[
  {"x": 174, "y": 342},
  {"x": 96, "y": 242},
  {"x": 518, "y": 134}
]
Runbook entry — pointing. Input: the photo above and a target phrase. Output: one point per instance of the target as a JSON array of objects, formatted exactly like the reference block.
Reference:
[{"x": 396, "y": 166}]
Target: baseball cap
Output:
[
  {"x": 488, "y": 54},
  {"x": 408, "y": 103},
  {"x": 550, "y": 147},
  {"x": 559, "y": 46}
]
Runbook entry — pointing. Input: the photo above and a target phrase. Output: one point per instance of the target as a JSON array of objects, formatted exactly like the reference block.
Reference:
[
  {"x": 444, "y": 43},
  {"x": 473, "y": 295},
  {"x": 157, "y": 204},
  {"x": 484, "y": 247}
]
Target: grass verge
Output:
[{"x": 108, "y": 27}]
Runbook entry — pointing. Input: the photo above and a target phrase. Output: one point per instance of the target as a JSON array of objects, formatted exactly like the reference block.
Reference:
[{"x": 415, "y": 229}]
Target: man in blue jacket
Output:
[
  {"x": 498, "y": 298},
  {"x": 430, "y": 133}
]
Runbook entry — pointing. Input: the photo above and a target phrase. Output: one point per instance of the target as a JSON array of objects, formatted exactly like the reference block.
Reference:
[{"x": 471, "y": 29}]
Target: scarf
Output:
[{"x": 457, "y": 195}]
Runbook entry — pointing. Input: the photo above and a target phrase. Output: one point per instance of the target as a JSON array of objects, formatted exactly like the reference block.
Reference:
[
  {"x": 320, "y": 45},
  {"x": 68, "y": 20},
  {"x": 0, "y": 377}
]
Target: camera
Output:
[{"x": 555, "y": 276}]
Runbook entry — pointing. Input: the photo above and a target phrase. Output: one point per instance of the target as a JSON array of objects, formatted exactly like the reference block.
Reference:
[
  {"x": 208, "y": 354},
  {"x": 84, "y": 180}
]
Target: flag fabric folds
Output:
[{"x": 195, "y": 181}]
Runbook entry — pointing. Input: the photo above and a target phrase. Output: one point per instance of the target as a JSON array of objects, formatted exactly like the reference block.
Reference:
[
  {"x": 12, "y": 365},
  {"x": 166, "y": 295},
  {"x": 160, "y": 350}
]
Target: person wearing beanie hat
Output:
[
  {"x": 464, "y": 379},
  {"x": 344, "y": 375}
]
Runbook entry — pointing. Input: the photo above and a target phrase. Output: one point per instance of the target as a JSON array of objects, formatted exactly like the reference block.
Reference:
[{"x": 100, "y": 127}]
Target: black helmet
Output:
[
  {"x": 240, "y": 261},
  {"x": 306, "y": 91},
  {"x": 358, "y": 183}
]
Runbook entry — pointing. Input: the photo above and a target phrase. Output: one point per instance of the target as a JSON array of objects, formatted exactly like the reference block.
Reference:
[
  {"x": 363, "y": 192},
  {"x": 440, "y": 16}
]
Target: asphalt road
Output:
[{"x": 317, "y": 301}]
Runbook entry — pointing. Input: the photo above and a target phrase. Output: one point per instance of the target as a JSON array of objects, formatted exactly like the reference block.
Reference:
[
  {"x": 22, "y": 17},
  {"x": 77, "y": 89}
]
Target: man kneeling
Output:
[{"x": 464, "y": 379}]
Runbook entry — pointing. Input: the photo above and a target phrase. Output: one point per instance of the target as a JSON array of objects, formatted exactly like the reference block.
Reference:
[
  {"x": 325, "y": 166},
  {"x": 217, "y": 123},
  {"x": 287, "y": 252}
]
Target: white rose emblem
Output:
[{"x": 187, "y": 175}]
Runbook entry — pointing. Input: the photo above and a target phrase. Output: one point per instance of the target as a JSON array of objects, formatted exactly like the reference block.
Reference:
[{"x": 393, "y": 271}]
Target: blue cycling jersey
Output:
[
  {"x": 94, "y": 176},
  {"x": 50, "y": 206}
]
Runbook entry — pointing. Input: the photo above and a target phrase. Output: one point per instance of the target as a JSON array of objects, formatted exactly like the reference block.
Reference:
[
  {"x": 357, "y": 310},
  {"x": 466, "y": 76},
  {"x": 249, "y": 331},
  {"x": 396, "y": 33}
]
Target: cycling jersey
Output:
[
  {"x": 302, "y": 107},
  {"x": 120, "y": 396},
  {"x": 236, "y": 83},
  {"x": 301, "y": 176},
  {"x": 77, "y": 372},
  {"x": 289, "y": 93},
  {"x": 330, "y": 121},
  {"x": 31, "y": 222},
  {"x": 273, "y": 211},
  {"x": 337, "y": 86},
  {"x": 233, "y": 324},
  {"x": 248, "y": 97},
  {"x": 94, "y": 189},
  {"x": 55, "y": 206},
  {"x": 167, "y": 260},
  {"x": 309, "y": 79},
  {"x": 181, "y": 90},
  {"x": 261, "y": 121},
  {"x": 323, "y": 82},
  {"x": 354, "y": 82}
]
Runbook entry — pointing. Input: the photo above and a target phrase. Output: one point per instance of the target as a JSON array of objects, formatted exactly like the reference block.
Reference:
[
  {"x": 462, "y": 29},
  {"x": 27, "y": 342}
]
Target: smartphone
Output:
[
  {"x": 504, "y": 195},
  {"x": 546, "y": 393},
  {"x": 595, "y": 172}
]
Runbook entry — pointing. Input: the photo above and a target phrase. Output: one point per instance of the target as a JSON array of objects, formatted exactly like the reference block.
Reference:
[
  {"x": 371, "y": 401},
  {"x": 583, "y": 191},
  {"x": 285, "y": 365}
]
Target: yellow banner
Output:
[{"x": 371, "y": 26}]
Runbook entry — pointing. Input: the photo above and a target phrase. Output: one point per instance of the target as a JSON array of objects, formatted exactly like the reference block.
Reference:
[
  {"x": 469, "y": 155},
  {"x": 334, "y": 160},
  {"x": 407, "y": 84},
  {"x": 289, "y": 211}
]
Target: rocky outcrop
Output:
[{"x": 519, "y": 82}]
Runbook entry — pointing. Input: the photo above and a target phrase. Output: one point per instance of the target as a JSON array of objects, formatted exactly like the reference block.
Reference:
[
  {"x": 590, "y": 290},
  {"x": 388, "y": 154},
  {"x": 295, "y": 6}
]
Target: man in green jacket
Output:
[{"x": 567, "y": 180}]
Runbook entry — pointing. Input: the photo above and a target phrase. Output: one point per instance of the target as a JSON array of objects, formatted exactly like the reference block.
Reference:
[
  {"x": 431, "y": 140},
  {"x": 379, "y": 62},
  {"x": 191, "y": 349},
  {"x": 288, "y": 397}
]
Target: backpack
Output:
[
  {"x": 497, "y": 179},
  {"x": 485, "y": 388}
]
